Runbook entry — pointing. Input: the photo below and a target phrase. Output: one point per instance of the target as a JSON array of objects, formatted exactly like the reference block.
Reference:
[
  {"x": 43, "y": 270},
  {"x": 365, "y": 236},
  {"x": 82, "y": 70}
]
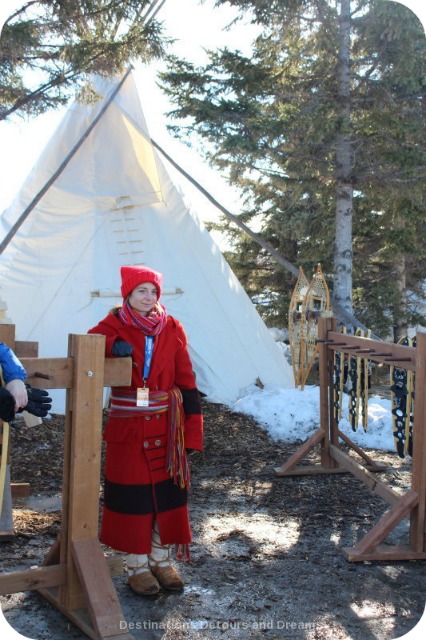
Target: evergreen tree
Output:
[
  {"x": 48, "y": 47},
  {"x": 324, "y": 119}
]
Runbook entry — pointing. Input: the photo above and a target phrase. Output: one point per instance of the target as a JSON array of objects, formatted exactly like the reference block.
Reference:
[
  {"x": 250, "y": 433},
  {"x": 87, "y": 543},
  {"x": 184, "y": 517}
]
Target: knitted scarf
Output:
[{"x": 150, "y": 325}]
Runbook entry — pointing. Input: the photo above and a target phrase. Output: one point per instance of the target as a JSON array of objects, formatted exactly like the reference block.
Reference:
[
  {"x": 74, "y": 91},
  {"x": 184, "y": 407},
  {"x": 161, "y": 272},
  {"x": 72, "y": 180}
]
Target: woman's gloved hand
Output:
[{"x": 121, "y": 349}]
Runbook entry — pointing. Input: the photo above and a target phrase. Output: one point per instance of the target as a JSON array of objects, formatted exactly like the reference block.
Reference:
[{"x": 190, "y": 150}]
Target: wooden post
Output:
[
  {"x": 326, "y": 406},
  {"x": 82, "y": 457},
  {"x": 418, "y": 515},
  {"x": 7, "y": 335}
]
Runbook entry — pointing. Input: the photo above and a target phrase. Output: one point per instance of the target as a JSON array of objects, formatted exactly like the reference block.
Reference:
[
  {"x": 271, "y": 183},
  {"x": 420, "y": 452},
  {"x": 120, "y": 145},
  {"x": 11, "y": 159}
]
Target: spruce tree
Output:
[{"x": 322, "y": 130}]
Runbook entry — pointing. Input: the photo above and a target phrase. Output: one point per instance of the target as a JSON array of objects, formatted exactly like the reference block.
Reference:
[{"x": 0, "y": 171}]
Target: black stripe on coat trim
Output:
[
  {"x": 137, "y": 499},
  {"x": 191, "y": 401},
  {"x": 169, "y": 496},
  {"x": 134, "y": 499}
]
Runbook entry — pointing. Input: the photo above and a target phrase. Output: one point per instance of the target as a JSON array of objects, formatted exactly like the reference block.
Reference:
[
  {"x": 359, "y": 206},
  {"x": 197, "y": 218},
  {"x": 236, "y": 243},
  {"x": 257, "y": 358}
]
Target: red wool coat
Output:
[{"x": 138, "y": 488}]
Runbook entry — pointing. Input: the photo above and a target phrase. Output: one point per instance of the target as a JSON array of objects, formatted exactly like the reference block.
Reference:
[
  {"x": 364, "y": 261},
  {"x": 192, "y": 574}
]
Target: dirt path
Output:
[{"x": 267, "y": 557}]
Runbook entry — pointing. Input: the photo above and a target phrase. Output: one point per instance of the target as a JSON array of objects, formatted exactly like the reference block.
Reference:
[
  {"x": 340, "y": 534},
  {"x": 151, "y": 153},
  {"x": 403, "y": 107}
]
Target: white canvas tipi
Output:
[{"x": 99, "y": 197}]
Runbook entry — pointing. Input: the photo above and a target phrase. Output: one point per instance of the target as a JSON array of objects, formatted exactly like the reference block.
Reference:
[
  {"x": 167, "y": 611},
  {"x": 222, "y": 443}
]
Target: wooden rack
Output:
[
  {"x": 76, "y": 576},
  {"x": 333, "y": 460}
]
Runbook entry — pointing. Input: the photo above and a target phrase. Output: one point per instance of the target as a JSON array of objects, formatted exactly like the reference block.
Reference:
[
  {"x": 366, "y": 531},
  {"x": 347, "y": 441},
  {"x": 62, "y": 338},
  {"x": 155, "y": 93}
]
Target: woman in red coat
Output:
[{"x": 151, "y": 425}]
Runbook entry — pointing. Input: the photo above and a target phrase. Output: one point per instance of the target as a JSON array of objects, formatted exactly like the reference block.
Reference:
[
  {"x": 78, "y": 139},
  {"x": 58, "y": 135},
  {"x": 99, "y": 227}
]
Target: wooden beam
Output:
[
  {"x": 389, "y": 521},
  {"x": 82, "y": 456},
  {"x": 309, "y": 444},
  {"x": 101, "y": 597},
  {"x": 418, "y": 483},
  {"x": 361, "y": 453},
  {"x": 318, "y": 469},
  {"x": 57, "y": 373},
  {"x": 360, "y": 472},
  {"x": 49, "y": 373},
  {"x": 20, "y": 489},
  {"x": 117, "y": 372},
  {"x": 30, "y": 579},
  {"x": 26, "y": 349},
  {"x": 386, "y": 553},
  {"x": 325, "y": 390},
  {"x": 386, "y": 352}
]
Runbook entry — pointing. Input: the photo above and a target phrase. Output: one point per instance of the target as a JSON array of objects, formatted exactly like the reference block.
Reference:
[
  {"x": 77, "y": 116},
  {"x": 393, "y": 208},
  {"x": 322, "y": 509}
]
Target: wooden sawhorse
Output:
[{"x": 76, "y": 577}]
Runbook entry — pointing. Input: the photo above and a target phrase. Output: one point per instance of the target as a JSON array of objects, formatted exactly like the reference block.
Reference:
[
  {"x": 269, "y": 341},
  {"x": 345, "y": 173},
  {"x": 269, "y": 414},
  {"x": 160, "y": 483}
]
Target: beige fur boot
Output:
[
  {"x": 160, "y": 565},
  {"x": 139, "y": 575}
]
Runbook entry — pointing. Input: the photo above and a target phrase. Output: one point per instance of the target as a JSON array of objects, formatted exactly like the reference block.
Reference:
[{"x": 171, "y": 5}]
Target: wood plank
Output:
[
  {"x": 403, "y": 356},
  {"x": 360, "y": 472},
  {"x": 297, "y": 456},
  {"x": 7, "y": 532},
  {"x": 7, "y": 335},
  {"x": 360, "y": 451},
  {"x": 49, "y": 373},
  {"x": 387, "y": 553},
  {"x": 418, "y": 483},
  {"x": 80, "y": 618},
  {"x": 20, "y": 489},
  {"x": 101, "y": 597},
  {"x": 26, "y": 349},
  {"x": 85, "y": 409},
  {"x": 53, "y": 556},
  {"x": 118, "y": 372},
  {"x": 325, "y": 362},
  {"x": 389, "y": 521},
  {"x": 318, "y": 469},
  {"x": 30, "y": 579},
  {"x": 57, "y": 373}
]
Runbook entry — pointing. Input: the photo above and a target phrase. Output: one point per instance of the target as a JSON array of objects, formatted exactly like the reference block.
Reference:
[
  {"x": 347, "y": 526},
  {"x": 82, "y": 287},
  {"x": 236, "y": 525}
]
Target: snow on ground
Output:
[{"x": 293, "y": 414}]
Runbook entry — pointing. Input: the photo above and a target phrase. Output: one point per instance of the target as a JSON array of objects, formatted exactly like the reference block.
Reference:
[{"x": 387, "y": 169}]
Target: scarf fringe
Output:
[
  {"x": 177, "y": 459},
  {"x": 182, "y": 552}
]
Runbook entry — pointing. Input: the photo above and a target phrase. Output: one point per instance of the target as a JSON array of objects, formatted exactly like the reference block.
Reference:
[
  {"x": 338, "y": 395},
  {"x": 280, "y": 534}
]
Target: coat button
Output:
[
  {"x": 157, "y": 443},
  {"x": 157, "y": 416},
  {"x": 147, "y": 417},
  {"x": 146, "y": 444}
]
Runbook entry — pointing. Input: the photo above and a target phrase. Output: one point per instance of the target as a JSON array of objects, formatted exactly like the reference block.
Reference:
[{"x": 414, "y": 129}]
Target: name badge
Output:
[{"x": 142, "y": 397}]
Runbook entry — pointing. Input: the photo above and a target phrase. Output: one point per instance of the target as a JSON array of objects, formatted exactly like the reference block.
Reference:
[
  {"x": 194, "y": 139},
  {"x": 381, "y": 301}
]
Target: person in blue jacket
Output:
[
  {"x": 16, "y": 396},
  {"x": 14, "y": 375}
]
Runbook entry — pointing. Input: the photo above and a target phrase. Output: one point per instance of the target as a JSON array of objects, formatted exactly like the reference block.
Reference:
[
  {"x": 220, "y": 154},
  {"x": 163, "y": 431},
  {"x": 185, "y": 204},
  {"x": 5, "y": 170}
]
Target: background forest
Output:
[{"x": 321, "y": 129}]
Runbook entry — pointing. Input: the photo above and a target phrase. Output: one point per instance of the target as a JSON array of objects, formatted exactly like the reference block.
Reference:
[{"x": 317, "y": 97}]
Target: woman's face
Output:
[{"x": 143, "y": 298}]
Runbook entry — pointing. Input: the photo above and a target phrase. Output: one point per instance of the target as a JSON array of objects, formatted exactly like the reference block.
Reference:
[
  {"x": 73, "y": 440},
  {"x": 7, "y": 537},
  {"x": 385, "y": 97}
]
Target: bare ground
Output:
[{"x": 267, "y": 557}]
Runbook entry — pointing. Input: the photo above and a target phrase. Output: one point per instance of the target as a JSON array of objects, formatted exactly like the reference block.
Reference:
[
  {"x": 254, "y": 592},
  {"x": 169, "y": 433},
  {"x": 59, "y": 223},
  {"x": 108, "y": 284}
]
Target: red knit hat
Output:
[{"x": 132, "y": 276}]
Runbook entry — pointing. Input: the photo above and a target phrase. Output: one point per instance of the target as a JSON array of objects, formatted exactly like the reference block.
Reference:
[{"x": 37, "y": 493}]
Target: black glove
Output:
[
  {"x": 7, "y": 405},
  {"x": 39, "y": 403},
  {"x": 122, "y": 349}
]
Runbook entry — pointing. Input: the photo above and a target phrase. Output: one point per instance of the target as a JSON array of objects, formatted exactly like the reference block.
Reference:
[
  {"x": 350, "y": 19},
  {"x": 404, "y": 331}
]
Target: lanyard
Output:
[{"x": 149, "y": 349}]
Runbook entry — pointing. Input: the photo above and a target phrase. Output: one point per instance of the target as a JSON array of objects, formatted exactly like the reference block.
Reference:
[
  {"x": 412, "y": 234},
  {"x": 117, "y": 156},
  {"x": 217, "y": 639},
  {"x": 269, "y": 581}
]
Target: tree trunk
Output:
[
  {"x": 342, "y": 287},
  {"x": 400, "y": 328},
  {"x": 400, "y": 325}
]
